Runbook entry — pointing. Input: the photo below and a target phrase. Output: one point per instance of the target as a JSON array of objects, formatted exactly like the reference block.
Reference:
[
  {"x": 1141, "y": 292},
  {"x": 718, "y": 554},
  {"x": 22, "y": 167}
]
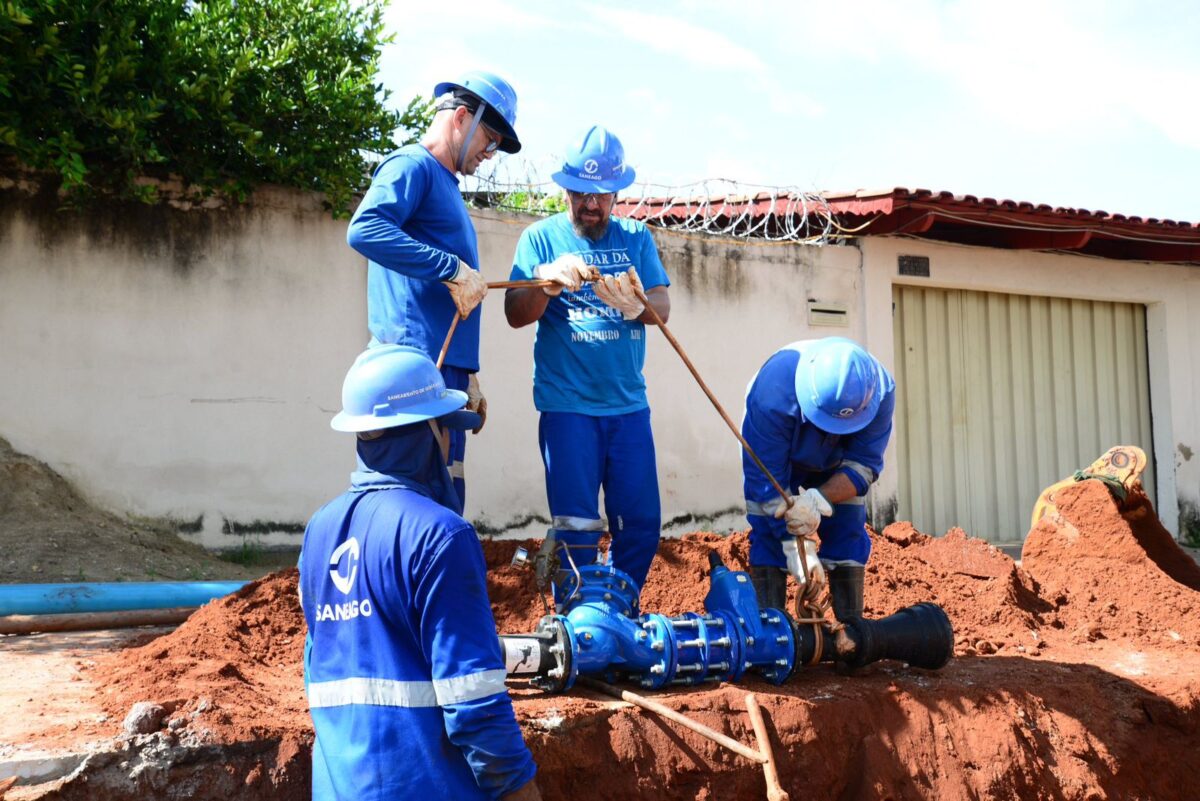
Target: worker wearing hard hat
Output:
[
  {"x": 413, "y": 227},
  {"x": 819, "y": 416},
  {"x": 588, "y": 355},
  {"x": 402, "y": 667}
]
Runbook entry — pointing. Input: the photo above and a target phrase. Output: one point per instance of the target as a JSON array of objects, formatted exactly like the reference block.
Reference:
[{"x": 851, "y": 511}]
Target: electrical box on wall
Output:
[
  {"x": 833, "y": 314},
  {"x": 914, "y": 265}
]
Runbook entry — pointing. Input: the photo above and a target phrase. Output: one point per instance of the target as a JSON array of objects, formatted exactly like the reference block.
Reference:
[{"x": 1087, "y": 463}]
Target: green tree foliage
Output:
[{"x": 224, "y": 94}]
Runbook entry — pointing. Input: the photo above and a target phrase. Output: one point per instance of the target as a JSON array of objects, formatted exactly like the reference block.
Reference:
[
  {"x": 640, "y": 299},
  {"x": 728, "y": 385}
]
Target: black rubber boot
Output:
[
  {"x": 770, "y": 586},
  {"x": 846, "y": 591}
]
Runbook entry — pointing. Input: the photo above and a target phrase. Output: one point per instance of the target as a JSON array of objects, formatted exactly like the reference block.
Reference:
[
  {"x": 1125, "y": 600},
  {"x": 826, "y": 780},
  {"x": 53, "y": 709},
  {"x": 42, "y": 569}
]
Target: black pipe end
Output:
[{"x": 920, "y": 635}]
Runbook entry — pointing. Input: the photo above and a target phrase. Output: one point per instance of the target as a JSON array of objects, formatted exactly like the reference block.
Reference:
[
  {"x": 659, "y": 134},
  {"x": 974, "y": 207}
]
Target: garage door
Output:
[{"x": 1001, "y": 395}]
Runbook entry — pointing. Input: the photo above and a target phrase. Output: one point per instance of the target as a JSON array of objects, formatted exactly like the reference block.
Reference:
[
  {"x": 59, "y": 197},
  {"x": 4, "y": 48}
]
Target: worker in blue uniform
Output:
[
  {"x": 819, "y": 416},
  {"x": 420, "y": 243},
  {"x": 402, "y": 666},
  {"x": 588, "y": 354}
]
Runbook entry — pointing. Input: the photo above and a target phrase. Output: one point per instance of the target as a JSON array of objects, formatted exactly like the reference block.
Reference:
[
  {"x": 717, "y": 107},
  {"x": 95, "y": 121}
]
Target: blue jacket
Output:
[
  {"x": 403, "y": 668},
  {"x": 413, "y": 227},
  {"x": 793, "y": 449}
]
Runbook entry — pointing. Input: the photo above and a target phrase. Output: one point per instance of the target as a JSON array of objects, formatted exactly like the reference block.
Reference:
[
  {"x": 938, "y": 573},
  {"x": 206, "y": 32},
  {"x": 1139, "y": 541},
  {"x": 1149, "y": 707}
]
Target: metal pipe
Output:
[
  {"x": 787, "y": 499},
  {"x": 775, "y": 791},
  {"x": 50, "y": 599},
  {"x": 670, "y": 714},
  {"x": 92, "y": 621}
]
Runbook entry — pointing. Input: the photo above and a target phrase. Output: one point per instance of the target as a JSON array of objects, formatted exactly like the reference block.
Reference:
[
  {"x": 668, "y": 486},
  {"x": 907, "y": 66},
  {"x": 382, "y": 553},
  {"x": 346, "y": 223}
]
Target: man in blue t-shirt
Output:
[
  {"x": 413, "y": 227},
  {"x": 588, "y": 355}
]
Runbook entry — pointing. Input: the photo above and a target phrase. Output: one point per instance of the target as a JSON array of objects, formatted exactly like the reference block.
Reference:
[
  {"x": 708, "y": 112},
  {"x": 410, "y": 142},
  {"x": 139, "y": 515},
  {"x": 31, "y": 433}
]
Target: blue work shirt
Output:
[
  {"x": 413, "y": 227},
  {"x": 403, "y": 669},
  {"x": 792, "y": 448},
  {"x": 586, "y": 358}
]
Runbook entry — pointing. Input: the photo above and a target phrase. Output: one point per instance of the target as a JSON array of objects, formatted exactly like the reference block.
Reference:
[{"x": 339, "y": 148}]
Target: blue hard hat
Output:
[
  {"x": 498, "y": 95},
  {"x": 838, "y": 385},
  {"x": 393, "y": 385},
  {"x": 596, "y": 165}
]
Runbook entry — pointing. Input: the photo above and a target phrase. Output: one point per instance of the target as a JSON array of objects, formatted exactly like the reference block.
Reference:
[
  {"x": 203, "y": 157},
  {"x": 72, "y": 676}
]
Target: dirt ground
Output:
[
  {"x": 1077, "y": 676},
  {"x": 50, "y": 534}
]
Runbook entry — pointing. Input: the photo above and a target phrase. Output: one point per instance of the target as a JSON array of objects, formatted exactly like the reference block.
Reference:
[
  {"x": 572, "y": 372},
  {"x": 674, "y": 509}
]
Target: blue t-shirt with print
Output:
[{"x": 586, "y": 358}]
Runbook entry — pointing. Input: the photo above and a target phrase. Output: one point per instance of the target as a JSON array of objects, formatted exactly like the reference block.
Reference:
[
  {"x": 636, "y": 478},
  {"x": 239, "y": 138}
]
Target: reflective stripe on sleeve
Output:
[
  {"x": 857, "y": 500},
  {"x": 457, "y": 470},
  {"x": 412, "y": 694},
  {"x": 764, "y": 508},
  {"x": 861, "y": 470},
  {"x": 566, "y": 523},
  {"x": 376, "y": 692},
  {"x": 471, "y": 687}
]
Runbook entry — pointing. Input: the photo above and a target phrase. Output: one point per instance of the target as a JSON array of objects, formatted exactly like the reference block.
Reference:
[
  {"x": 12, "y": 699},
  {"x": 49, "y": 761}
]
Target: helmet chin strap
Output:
[{"x": 466, "y": 145}]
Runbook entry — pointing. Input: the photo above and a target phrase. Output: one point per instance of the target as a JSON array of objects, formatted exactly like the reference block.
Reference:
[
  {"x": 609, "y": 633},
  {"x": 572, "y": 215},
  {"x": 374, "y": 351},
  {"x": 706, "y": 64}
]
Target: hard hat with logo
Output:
[
  {"x": 838, "y": 385},
  {"x": 498, "y": 109},
  {"x": 596, "y": 164},
  {"x": 393, "y": 385}
]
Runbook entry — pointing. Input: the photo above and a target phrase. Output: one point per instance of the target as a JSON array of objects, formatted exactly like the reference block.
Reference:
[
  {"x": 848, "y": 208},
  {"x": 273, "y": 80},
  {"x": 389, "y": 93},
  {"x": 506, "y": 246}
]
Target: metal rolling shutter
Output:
[{"x": 1001, "y": 395}]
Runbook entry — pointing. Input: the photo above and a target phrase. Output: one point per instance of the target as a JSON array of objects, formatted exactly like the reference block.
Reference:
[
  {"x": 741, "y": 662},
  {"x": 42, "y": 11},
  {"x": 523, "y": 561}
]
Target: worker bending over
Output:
[
  {"x": 819, "y": 415},
  {"x": 588, "y": 355},
  {"x": 402, "y": 667}
]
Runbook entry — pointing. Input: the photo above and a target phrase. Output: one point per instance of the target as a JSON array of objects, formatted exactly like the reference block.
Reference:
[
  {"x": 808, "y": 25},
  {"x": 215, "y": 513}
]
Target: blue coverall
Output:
[
  {"x": 403, "y": 669},
  {"x": 800, "y": 455}
]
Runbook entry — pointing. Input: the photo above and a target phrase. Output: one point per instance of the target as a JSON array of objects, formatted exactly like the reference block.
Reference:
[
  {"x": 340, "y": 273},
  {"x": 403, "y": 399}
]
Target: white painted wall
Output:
[
  {"x": 1171, "y": 294},
  {"x": 186, "y": 363}
]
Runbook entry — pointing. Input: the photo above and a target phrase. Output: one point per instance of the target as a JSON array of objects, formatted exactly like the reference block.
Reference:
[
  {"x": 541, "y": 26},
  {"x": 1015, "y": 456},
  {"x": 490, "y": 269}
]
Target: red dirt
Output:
[
  {"x": 1030, "y": 709},
  {"x": 1114, "y": 575}
]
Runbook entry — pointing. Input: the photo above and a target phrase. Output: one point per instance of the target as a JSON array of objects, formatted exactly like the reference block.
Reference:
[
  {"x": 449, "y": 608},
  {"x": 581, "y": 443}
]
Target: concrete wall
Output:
[
  {"x": 185, "y": 363},
  {"x": 1171, "y": 294}
]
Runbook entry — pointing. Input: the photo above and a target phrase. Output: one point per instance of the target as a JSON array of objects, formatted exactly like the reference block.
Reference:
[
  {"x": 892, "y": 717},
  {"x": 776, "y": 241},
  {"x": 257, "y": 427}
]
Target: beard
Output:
[{"x": 590, "y": 230}]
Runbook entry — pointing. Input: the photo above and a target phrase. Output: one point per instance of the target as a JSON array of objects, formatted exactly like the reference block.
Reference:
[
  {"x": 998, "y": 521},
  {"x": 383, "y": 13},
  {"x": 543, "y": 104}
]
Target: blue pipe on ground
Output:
[{"x": 57, "y": 599}]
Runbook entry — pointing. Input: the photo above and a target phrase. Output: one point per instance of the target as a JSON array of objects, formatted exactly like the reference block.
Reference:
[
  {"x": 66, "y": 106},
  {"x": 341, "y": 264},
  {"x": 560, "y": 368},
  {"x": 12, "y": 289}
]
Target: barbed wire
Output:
[{"x": 717, "y": 207}]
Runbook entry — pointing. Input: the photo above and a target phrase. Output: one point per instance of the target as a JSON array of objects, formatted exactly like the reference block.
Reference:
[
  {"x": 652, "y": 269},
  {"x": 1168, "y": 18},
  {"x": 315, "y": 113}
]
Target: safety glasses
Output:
[
  {"x": 494, "y": 139},
  {"x": 599, "y": 200}
]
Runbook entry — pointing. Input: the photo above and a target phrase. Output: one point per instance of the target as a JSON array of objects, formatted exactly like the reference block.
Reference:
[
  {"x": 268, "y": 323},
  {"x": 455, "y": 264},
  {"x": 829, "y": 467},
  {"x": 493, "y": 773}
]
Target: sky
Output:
[{"x": 1090, "y": 105}]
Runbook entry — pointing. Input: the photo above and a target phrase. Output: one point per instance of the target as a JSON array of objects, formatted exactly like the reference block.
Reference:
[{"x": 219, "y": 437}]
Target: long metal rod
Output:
[
  {"x": 446, "y": 345},
  {"x": 525, "y": 284},
  {"x": 670, "y": 714},
  {"x": 787, "y": 499},
  {"x": 522, "y": 284},
  {"x": 775, "y": 791}
]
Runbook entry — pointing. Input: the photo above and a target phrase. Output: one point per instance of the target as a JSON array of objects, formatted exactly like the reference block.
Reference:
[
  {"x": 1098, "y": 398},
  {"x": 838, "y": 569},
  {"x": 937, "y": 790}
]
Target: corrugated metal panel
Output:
[{"x": 1001, "y": 395}]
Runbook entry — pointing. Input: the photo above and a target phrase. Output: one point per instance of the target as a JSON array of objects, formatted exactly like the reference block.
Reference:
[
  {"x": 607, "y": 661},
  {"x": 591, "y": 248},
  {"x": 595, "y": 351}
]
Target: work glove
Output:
[
  {"x": 467, "y": 288},
  {"x": 619, "y": 292},
  {"x": 476, "y": 402},
  {"x": 812, "y": 579},
  {"x": 567, "y": 271},
  {"x": 804, "y": 515}
]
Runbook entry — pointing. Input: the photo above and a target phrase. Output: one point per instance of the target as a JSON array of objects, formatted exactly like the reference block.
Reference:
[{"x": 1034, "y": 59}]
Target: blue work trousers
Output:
[
  {"x": 584, "y": 453},
  {"x": 457, "y": 378},
  {"x": 843, "y": 536}
]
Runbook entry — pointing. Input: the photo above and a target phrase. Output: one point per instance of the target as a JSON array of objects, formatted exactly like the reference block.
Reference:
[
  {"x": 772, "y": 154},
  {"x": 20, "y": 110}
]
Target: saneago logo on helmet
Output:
[
  {"x": 846, "y": 412},
  {"x": 345, "y": 583},
  {"x": 591, "y": 166}
]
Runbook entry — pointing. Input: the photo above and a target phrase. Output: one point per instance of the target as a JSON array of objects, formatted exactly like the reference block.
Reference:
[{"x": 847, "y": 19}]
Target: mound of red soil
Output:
[
  {"x": 1113, "y": 571},
  {"x": 237, "y": 662},
  {"x": 990, "y": 601}
]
